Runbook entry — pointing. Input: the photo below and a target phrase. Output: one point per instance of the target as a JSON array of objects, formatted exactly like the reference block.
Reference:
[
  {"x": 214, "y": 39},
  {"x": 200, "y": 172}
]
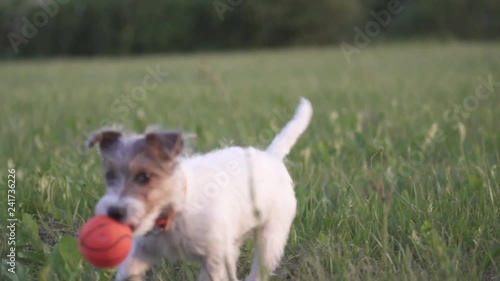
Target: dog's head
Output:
[{"x": 141, "y": 175}]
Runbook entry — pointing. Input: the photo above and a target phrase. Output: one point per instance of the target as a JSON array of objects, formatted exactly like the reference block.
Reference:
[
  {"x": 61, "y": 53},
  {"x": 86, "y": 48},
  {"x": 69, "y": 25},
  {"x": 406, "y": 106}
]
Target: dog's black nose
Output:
[{"x": 117, "y": 213}]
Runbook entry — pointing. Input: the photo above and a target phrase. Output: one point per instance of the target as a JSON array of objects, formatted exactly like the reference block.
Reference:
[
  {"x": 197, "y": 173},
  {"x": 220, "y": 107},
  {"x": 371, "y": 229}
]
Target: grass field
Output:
[{"x": 397, "y": 177}]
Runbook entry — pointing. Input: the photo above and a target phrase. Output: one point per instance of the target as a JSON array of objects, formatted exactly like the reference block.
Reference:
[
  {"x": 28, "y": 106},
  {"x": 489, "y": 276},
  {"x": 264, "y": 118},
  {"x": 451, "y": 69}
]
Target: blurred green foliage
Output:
[{"x": 91, "y": 27}]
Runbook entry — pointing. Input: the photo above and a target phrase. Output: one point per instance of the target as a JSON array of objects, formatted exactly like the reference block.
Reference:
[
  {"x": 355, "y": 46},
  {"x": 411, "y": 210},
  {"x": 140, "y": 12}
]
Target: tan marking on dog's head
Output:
[{"x": 151, "y": 167}]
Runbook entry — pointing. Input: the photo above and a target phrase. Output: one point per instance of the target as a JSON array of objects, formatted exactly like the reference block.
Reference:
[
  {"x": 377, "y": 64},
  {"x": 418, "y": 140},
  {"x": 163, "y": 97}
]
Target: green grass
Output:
[{"x": 380, "y": 196}]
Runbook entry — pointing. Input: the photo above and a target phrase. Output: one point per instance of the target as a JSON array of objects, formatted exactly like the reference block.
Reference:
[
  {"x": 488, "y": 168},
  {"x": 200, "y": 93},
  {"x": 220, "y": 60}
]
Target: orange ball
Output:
[{"x": 105, "y": 242}]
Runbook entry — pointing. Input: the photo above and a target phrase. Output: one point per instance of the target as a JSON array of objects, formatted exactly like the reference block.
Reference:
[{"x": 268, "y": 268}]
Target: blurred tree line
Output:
[{"x": 91, "y": 27}]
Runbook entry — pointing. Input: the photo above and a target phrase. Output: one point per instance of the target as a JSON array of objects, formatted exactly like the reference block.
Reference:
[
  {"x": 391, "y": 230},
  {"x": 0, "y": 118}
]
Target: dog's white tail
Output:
[{"x": 283, "y": 142}]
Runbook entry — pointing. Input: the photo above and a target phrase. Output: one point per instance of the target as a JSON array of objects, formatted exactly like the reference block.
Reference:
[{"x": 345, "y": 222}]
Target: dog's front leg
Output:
[{"x": 146, "y": 252}]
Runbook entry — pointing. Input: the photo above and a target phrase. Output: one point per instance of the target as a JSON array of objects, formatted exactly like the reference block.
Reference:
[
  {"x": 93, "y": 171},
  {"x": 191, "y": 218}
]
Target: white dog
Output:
[{"x": 200, "y": 208}]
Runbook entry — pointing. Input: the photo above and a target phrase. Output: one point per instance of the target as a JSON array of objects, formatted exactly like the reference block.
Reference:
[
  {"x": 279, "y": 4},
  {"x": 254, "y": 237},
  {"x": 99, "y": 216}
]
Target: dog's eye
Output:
[
  {"x": 110, "y": 176},
  {"x": 142, "y": 178}
]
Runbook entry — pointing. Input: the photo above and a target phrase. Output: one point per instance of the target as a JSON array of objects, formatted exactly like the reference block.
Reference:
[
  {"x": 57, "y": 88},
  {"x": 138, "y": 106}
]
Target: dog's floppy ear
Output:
[
  {"x": 105, "y": 137},
  {"x": 169, "y": 144}
]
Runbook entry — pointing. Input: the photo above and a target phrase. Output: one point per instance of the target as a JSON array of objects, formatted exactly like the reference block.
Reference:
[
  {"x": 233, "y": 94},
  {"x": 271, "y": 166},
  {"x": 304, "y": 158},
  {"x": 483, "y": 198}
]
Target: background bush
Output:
[{"x": 92, "y": 27}]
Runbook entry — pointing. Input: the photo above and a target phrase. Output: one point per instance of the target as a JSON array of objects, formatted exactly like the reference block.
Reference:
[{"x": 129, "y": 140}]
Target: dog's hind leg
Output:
[{"x": 270, "y": 244}]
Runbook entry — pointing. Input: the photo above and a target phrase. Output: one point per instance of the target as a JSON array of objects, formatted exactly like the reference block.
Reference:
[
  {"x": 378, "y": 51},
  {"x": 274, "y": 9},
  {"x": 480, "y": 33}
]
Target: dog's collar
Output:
[{"x": 165, "y": 221}]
